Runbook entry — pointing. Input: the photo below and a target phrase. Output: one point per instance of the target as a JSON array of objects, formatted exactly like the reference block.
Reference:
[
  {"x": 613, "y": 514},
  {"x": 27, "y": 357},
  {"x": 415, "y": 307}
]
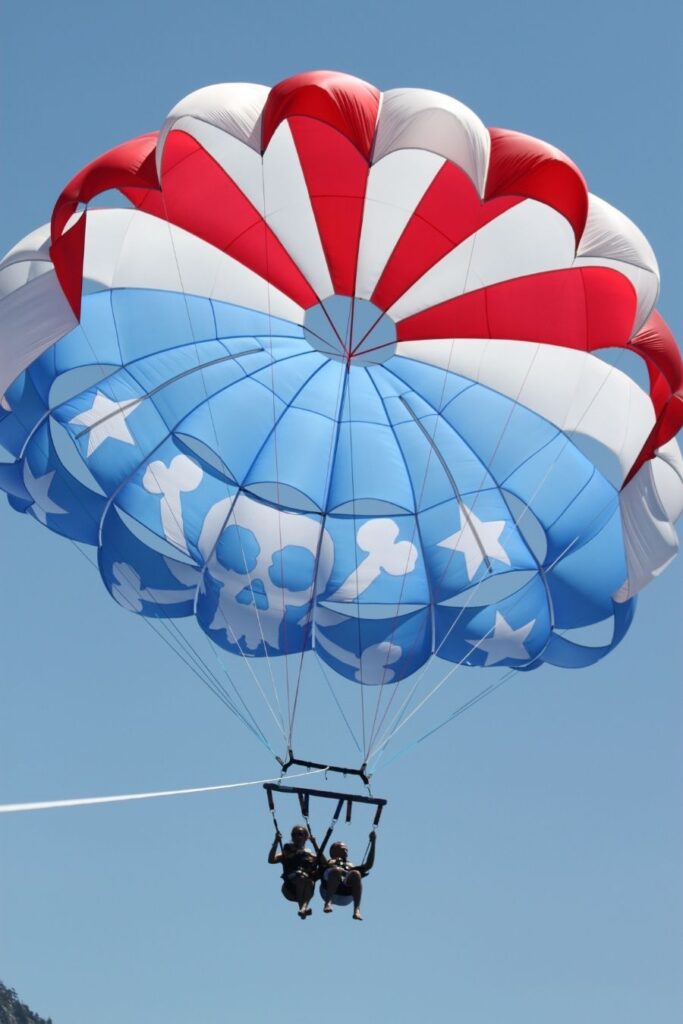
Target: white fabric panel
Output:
[
  {"x": 579, "y": 393},
  {"x": 422, "y": 119},
  {"x": 131, "y": 249},
  {"x": 610, "y": 239},
  {"x": 31, "y": 319},
  {"x": 289, "y": 211},
  {"x": 395, "y": 187},
  {"x": 234, "y": 107},
  {"x": 529, "y": 238},
  {"x": 238, "y": 160},
  {"x": 650, "y": 504},
  {"x": 35, "y": 246},
  {"x": 18, "y": 274},
  {"x": 668, "y": 471}
]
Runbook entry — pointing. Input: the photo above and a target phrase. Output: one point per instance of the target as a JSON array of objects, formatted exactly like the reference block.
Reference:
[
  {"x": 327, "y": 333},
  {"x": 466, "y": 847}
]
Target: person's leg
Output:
[
  {"x": 333, "y": 877},
  {"x": 304, "y": 891},
  {"x": 354, "y": 884}
]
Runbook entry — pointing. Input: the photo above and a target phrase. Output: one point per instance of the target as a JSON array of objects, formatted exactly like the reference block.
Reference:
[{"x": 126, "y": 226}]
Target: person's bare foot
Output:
[
  {"x": 327, "y": 909},
  {"x": 357, "y": 916}
]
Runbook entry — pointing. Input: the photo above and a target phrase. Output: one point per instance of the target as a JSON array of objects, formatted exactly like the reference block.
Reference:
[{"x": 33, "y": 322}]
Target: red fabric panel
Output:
[
  {"x": 523, "y": 166},
  {"x": 131, "y": 163},
  {"x": 657, "y": 345},
  {"x": 127, "y": 164},
  {"x": 346, "y": 103},
  {"x": 584, "y": 308},
  {"x": 200, "y": 197},
  {"x": 448, "y": 213},
  {"x": 669, "y": 422},
  {"x": 66, "y": 253},
  {"x": 336, "y": 177}
]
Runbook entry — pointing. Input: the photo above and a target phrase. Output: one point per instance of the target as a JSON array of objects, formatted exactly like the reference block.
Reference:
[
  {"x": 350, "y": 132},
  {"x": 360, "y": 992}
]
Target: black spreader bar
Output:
[
  {"x": 354, "y": 798},
  {"x": 361, "y": 772}
]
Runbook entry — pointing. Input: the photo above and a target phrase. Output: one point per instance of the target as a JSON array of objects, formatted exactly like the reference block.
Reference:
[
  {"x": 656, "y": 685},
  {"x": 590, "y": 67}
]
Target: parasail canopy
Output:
[{"x": 335, "y": 379}]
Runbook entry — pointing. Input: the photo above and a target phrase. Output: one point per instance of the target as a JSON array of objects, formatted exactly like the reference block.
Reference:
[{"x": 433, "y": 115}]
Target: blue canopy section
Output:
[{"x": 229, "y": 465}]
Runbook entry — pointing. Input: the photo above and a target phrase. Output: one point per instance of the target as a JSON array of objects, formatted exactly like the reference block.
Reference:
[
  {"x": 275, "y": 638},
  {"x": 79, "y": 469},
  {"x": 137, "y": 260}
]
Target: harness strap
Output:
[{"x": 335, "y": 819}]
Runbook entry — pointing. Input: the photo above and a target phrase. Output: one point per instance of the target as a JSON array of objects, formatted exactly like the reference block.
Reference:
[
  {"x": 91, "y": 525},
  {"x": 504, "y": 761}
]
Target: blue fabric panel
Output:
[
  {"x": 377, "y": 562},
  {"x": 454, "y": 563},
  {"x": 502, "y": 433},
  {"x": 513, "y": 632},
  {"x": 374, "y": 651},
  {"x": 234, "y": 321},
  {"x": 175, "y": 398},
  {"x": 282, "y": 458},
  {"x": 583, "y": 581},
  {"x": 400, "y": 375},
  {"x": 111, "y": 444},
  {"x": 150, "y": 321},
  {"x": 325, "y": 395},
  {"x": 224, "y": 426},
  {"x": 567, "y": 654},
  {"x": 93, "y": 343},
  {"x": 141, "y": 579},
  {"x": 12, "y": 481},
  {"x": 287, "y": 379},
  {"x": 28, "y": 408},
  {"x": 61, "y": 502},
  {"x": 369, "y": 467}
]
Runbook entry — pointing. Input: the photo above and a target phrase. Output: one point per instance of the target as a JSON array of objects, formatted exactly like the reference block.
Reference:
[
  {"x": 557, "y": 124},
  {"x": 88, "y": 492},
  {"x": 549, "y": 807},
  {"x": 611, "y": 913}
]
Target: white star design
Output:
[
  {"x": 106, "y": 418},
  {"x": 505, "y": 642},
  {"x": 39, "y": 487},
  {"x": 476, "y": 539}
]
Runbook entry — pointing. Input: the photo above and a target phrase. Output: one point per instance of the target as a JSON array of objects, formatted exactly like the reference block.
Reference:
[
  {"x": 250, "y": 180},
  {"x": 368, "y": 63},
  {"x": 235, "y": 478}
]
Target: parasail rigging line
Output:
[
  {"x": 280, "y": 723},
  {"x": 486, "y": 692},
  {"x": 195, "y": 662},
  {"x": 321, "y": 666},
  {"x": 191, "y": 658},
  {"x": 334, "y": 444},
  {"x": 204, "y": 674},
  {"x": 431, "y": 439},
  {"x": 516, "y": 521},
  {"x": 215, "y": 433},
  {"x": 543, "y": 572},
  {"x": 517, "y": 518},
  {"x": 51, "y": 805},
  {"x": 355, "y": 556}
]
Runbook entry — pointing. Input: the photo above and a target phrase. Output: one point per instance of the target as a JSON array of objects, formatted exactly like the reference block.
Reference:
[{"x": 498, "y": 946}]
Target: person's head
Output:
[
  {"x": 339, "y": 851},
  {"x": 299, "y": 835}
]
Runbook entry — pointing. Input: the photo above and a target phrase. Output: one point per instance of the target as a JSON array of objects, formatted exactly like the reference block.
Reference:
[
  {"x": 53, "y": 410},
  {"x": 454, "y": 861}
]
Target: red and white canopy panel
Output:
[{"x": 350, "y": 371}]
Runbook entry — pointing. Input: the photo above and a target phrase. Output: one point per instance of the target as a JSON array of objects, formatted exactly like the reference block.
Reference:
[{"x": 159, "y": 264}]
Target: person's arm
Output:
[
  {"x": 368, "y": 864},
  {"x": 273, "y": 856}
]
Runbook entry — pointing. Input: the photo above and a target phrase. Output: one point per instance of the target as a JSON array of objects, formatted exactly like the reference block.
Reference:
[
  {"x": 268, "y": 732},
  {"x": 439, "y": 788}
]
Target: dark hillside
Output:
[{"x": 13, "y": 1011}]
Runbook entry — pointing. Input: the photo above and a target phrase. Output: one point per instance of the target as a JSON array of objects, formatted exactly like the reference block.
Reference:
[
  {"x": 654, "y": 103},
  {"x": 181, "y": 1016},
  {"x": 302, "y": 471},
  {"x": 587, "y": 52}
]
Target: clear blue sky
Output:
[{"x": 529, "y": 869}]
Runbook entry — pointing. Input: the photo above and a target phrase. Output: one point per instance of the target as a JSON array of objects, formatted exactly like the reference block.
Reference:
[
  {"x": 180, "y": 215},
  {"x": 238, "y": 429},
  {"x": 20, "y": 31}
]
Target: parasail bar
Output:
[
  {"x": 360, "y": 772},
  {"x": 275, "y": 787}
]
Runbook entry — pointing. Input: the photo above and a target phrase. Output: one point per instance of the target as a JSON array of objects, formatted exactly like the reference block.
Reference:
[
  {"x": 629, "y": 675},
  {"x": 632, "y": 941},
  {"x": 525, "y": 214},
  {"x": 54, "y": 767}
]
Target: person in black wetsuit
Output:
[
  {"x": 299, "y": 868},
  {"x": 341, "y": 881}
]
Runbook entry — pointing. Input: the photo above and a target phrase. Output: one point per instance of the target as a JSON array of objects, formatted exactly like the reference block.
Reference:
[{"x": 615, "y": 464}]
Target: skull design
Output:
[{"x": 264, "y": 566}]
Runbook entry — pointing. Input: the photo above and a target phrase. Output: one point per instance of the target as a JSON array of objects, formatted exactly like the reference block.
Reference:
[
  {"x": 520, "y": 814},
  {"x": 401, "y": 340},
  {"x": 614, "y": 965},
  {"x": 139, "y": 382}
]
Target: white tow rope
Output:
[{"x": 49, "y": 805}]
